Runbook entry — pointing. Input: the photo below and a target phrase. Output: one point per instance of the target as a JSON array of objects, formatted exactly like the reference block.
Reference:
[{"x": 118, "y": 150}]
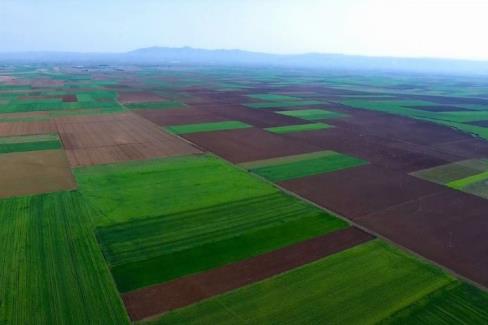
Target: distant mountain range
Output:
[{"x": 188, "y": 55}]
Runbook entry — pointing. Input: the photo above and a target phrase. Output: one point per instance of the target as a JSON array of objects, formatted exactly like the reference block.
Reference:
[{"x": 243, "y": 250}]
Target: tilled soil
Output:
[
  {"x": 34, "y": 172},
  {"x": 249, "y": 144},
  {"x": 91, "y": 140}
]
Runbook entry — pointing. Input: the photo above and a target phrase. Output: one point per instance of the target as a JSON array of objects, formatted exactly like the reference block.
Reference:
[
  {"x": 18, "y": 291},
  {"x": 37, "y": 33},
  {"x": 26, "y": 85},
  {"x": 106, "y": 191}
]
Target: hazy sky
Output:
[{"x": 438, "y": 28}]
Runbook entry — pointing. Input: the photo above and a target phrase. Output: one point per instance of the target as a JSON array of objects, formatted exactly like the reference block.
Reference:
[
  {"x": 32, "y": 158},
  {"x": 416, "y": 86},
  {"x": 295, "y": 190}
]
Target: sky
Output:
[{"x": 404, "y": 28}]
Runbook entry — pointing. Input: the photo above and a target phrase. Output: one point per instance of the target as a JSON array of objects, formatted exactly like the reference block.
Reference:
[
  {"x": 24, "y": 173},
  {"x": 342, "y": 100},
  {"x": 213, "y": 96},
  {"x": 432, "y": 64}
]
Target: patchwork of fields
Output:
[{"x": 213, "y": 195}]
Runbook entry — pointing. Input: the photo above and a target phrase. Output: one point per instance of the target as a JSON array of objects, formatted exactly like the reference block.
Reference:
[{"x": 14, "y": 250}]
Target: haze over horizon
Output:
[{"x": 428, "y": 28}]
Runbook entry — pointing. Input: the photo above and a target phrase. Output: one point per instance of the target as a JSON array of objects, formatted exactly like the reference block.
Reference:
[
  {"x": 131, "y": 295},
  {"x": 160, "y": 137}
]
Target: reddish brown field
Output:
[
  {"x": 362, "y": 190},
  {"x": 91, "y": 140},
  {"x": 158, "y": 299},
  {"x": 449, "y": 228},
  {"x": 249, "y": 144}
]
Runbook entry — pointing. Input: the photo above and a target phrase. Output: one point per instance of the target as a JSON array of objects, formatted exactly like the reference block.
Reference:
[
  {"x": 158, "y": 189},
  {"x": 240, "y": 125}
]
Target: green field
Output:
[
  {"x": 201, "y": 239},
  {"x": 133, "y": 190},
  {"x": 207, "y": 127},
  {"x": 51, "y": 268},
  {"x": 456, "y": 303},
  {"x": 298, "y": 128},
  {"x": 361, "y": 285},
  {"x": 29, "y": 143},
  {"x": 305, "y": 165},
  {"x": 312, "y": 114},
  {"x": 282, "y": 104}
]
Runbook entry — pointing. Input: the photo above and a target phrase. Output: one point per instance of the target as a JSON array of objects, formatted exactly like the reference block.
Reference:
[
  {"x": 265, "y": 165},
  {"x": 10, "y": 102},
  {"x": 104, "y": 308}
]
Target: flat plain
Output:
[{"x": 183, "y": 194}]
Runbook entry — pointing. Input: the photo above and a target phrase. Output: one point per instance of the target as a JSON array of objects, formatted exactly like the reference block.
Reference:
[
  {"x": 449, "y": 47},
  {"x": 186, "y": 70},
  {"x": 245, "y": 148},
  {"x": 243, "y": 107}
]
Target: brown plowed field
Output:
[
  {"x": 139, "y": 97},
  {"x": 158, "y": 299},
  {"x": 384, "y": 152},
  {"x": 26, "y": 128},
  {"x": 180, "y": 116},
  {"x": 91, "y": 140},
  {"x": 449, "y": 228},
  {"x": 34, "y": 172},
  {"x": 249, "y": 144},
  {"x": 362, "y": 190}
]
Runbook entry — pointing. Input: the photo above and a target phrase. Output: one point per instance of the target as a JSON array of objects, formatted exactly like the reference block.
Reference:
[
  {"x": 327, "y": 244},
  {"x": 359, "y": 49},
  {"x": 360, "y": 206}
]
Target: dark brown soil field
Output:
[
  {"x": 158, "y": 299},
  {"x": 449, "y": 228},
  {"x": 91, "y": 140},
  {"x": 361, "y": 190},
  {"x": 35, "y": 172},
  {"x": 139, "y": 97},
  {"x": 188, "y": 115},
  {"x": 249, "y": 144}
]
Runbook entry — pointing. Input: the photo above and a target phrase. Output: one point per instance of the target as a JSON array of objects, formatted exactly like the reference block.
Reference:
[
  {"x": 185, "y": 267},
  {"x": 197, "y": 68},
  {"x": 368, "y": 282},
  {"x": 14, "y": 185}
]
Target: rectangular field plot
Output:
[
  {"x": 292, "y": 167},
  {"x": 456, "y": 303},
  {"x": 207, "y": 127},
  {"x": 361, "y": 285},
  {"x": 312, "y": 114},
  {"x": 282, "y": 104},
  {"x": 298, "y": 128},
  {"x": 470, "y": 176},
  {"x": 34, "y": 172},
  {"x": 29, "y": 143},
  {"x": 49, "y": 250},
  {"x": 156, "y": 250}
]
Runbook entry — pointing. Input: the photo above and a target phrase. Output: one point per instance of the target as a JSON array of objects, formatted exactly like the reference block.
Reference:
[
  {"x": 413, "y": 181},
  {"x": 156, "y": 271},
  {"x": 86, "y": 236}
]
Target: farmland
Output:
[{"x": 207, "y": 194}]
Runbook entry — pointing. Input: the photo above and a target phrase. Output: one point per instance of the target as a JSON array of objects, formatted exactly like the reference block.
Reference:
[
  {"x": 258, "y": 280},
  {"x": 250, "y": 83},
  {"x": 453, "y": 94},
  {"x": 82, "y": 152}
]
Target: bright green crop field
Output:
[
  {"x": 312, "y": 114},
  {"x": 361, "y": 285},
  {"x": 456, "y": 303},
  {"x": 207, "y": 127},
  {"x": 201, "y": 239},
  {"x": 328, "y": 162},
  {"x": 51, "y": 268}
]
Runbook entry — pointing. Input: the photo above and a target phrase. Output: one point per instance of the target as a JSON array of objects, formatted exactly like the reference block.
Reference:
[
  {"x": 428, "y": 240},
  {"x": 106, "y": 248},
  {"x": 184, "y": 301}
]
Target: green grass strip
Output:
[
  {"x": 286, "y": 159},
  {"x": 298, "y": 128},
  {"x": 29, "y": 143},
  {"x": 307, "y": 167},
  {"x": 460, "y": 183},
  {"x": 269, "y": 105},
  {"x": 456, "y": 303},
  {"x": 29, "y": 138},
  {"x": 361, "y": 285},
  {"x": 312, "y": 114},
  {"x": 207, "y": 127}
]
